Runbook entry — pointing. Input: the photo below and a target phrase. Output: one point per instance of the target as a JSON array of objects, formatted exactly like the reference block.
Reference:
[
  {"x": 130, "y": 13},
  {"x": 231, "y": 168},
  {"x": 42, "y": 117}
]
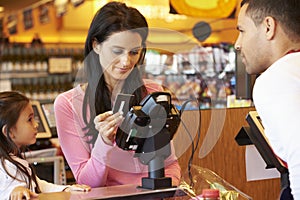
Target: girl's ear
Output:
[
  {"x": 4, "y": 130},
  {"x": 96, "y": 47}
]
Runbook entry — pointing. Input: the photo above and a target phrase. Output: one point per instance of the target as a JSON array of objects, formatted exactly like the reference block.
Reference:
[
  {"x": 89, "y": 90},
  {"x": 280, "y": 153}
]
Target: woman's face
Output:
[
  {"x": 25, "y": 130},
  {"x": 118, "y": 55}
]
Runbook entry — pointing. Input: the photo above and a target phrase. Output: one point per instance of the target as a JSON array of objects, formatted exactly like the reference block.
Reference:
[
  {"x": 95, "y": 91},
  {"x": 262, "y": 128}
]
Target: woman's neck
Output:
[{"x": 114, "y": 86}]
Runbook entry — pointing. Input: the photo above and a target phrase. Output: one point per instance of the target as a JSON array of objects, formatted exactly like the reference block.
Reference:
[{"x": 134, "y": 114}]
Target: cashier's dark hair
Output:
[
  {"x": 112, "y": 18},
  {"x": 11, "y": 105},
  {"x": 286, "y": 12}
]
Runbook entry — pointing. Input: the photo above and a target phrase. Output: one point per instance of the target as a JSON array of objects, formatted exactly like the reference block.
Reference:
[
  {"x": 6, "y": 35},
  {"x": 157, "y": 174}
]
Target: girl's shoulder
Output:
[{"x": 10, "y": 167}]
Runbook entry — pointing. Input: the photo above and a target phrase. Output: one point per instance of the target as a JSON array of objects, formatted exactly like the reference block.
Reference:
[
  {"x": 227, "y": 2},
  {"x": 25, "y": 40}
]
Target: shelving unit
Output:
[
  {"x": 27, "y": 69},
  {"x": 205, "y": 73}
]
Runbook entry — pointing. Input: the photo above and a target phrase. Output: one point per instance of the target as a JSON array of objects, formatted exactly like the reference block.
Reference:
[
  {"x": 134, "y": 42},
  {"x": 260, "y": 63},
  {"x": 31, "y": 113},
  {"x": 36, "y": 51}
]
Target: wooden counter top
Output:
[{"x": 113, "y": 192}]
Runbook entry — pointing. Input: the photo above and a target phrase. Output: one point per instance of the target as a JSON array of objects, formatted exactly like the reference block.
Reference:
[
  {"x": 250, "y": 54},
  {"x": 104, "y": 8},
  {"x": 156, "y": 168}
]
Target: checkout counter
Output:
[
  {"x": 222, "y": 155},
  {"x": 219, "y": 151},
  {"x": 128, "y": 192}
]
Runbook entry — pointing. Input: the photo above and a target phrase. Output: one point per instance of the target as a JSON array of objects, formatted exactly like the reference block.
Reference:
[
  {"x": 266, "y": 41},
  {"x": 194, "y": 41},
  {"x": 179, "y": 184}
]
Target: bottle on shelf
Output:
[
  {"x": 25, "y": 55},
  {"x": 31, "y": 60},
  {"x": 16, "y": 59},
  {"x": 42, "y": 88},
  {"x": 44, "y": 59},
  {"x": 35, "y": 89},
  {"x": 27, "y": 85},
  {"x": 4, "y": 59}
]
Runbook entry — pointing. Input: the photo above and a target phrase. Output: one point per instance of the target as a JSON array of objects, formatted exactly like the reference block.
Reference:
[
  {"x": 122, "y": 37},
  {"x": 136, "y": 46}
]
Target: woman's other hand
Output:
[
  {"x": 21, "y": 192},
  {"x": 107, "y": 124},
  {"x": 78, "y": 187}
]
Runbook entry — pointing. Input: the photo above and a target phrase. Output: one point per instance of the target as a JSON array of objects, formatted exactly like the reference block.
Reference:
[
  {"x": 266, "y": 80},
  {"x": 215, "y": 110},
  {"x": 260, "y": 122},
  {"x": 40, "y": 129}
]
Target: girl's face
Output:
[
  {"x": 118, "y": 55},
  {"x": 25, "y": 130}
]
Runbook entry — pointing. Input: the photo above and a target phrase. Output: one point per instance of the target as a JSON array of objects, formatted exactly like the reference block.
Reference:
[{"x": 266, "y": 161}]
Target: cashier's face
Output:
[
  {"x": 251, "y": 43},
  {"x": 119, "y": 54}
]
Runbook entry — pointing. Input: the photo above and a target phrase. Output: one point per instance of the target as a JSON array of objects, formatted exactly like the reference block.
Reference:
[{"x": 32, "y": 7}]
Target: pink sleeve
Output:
[
  {"x": 152, "y": 86},
  {"x": 87, "y": 167},
  {"x": 172, "y": 168}
]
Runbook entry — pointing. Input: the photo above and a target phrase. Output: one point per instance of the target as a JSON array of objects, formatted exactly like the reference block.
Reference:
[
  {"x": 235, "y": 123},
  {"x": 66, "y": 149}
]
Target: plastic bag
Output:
[{"x": 199, "y": 178}]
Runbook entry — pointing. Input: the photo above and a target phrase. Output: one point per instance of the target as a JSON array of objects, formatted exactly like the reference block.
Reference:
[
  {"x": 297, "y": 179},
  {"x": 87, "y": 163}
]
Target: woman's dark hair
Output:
[
  {"x": 112, "y": 18},
  {"x": 11, "y": 105},
  {"x": 286, "y": 12}
]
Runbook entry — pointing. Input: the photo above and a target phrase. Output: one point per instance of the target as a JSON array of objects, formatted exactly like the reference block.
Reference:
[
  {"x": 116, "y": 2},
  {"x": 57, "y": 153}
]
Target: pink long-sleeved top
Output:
[{"x": 101, "y": 165}]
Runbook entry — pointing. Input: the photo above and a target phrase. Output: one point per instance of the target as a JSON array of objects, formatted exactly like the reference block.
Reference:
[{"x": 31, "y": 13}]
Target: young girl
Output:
[{"x": 19, "y": 129}]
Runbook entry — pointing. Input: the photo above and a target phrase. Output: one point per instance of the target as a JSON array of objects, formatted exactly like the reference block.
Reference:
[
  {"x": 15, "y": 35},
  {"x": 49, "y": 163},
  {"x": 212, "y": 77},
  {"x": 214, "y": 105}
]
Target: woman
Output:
[{"x": 86, "y": 126}]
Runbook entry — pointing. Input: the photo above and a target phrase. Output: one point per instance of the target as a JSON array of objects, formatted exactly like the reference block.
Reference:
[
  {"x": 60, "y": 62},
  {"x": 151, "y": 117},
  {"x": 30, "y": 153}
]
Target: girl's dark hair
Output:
[
  {"x": 112, "y": 18},
  {"x": 11, "y": 105},
  {"x": 286, "y": 12}
]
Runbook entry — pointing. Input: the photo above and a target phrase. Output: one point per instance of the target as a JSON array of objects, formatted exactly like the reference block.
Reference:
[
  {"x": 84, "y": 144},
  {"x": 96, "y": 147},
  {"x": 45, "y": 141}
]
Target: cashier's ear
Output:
[
  {"x": 270, "y": 26},
  {"x": 96, "y": 46}
]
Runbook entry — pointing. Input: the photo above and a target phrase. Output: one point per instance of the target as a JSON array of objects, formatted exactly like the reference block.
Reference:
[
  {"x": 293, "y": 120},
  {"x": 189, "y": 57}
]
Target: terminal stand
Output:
[{"x": 154, "y": 152}]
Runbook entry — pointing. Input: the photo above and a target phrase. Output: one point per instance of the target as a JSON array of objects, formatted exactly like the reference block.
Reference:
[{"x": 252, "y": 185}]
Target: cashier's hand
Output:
[
  {"x": 21, "y": 192},
  {"x": 107, "y": 124}
]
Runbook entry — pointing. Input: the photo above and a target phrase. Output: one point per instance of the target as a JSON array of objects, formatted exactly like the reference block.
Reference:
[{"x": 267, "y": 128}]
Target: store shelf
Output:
[{"x": 9, "y": 75}]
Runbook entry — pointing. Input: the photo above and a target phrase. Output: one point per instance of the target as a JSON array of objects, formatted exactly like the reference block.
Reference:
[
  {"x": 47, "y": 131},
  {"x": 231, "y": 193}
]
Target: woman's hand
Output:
[
  {"x": 107, "y": 124},
  {"x": 78, "y": 187},
  {"x": 21, "y": 192}
]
